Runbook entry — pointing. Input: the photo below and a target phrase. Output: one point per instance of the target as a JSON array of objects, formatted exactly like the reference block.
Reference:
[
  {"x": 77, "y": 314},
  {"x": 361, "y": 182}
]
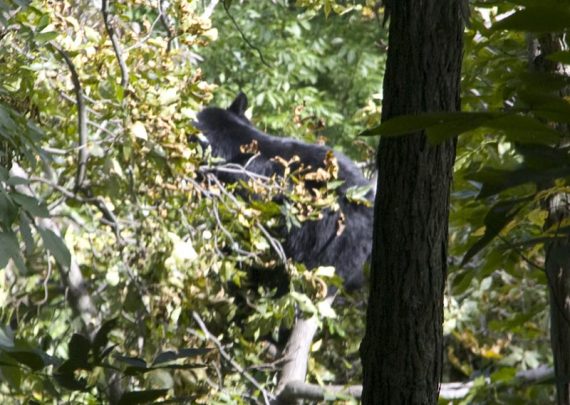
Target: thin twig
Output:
[
  {"x": 275, "y": 244},
  {"x": 116, "y": 45},
  {"x": 246, "y": 40},
  {"x": 233, "y": 168},
  {"x": 551, "y": 285},
  {"x": 68, "y": 193},
  {"x": 267, "y": 397},
  {"x": 521, "y": 254},
  {"x": 45, "y": 283},
  {"x": 229, "y": 235},
  {"x": 71, "y": 100},
  {"x": 147, "y": 36},
  {"x": 108, "y": 217}
]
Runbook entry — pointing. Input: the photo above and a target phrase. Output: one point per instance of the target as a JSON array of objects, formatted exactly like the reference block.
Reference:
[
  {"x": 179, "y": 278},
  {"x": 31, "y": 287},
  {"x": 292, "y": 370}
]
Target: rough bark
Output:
[
  {"x": 557, "y": 257},
  {"x": 402, "y": 350}
]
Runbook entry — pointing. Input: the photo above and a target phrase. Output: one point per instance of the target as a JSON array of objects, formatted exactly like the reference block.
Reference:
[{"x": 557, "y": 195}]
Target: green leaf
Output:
[
  {"x": 26, "y": 232},
  {"x": 28, "y": 357},
  {"x": 102, "y": 336},
  {"x": 562, "y": 57},
  {"x": 78, "y": 351},
  {"x": 524, "y": 129},
  {"x": 44, "y": 22},
  {"x": 357, "y": 194},
  {"x": 6, "y": 120},
  {"x": 541, "y": 17},
  {"x": 442, "y": 123},
  {"x": 442, "y": 126},
  {"x": 542, "y": 83},
  {"x": 11, "y": 373},
  {"x": 141, "y": 397},
  {"x": 44, "y": 37},
  {"x": 504, "y": 374},
  {"x": 131, "y": 361},
  {"x": 31, "y": 205},
  {"x": 10, "y": 249},
  {"x": 16, "y": 181},
  {"x": 107, "y": 89},
  {"x": 512, "y": 322},
  {"x": 8, "y": 210},
  {"x": 495, "y": 181},
  {"x": 168, "y": 356},
  {"x": 68, "y": 380},
  {"x": 55, "y": 245},
  {"x": 462, "y": 281}
]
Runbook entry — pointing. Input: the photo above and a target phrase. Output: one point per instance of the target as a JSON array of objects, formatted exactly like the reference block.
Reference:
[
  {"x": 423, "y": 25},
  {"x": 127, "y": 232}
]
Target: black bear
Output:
[{"x": 315, "y": 242}]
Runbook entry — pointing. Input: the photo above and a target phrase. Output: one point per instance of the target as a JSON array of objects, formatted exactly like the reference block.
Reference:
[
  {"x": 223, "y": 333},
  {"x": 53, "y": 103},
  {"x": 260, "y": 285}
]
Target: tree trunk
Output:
[
  {"x": 557, "y": 255},
  {"x": 402, "y": 350},
  {"x": 558, "y": 271}
]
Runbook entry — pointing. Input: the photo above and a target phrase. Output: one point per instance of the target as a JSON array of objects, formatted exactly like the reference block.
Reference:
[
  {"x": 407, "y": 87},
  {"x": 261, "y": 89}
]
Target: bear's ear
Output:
[{"x": 239, "y": 105}]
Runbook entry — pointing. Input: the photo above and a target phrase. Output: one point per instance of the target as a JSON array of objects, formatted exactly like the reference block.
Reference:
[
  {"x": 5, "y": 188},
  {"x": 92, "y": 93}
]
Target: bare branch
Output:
[
  {"x": 108, "y": 217},
  {"x": 246, "y": 40},
  {"x": 116, "y": 45},
  {"x": 275, "y": 244},
  {"x": 82, "y": 153},
  {"x": 45, "y": 284},
  {"x": 267, "y": 397},
  {"x": 296, "y": 390},
  {"x": 296, "y": 354},
  {"x": 166, "y": 24}
]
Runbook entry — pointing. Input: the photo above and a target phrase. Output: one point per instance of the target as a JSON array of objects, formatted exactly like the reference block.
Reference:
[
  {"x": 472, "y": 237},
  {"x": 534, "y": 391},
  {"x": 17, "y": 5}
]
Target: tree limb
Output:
[
  {"x": 244, "y": 37},
  {"x": 164, "y": 18},
  {"x": 116, "y": 45},
  {"x": 296, "y": 390},
  {"x": 82, "y": 154}
]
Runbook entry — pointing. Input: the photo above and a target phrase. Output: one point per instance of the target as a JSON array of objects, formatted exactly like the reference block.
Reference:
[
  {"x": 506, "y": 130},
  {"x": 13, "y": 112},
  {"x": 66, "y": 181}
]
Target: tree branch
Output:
[
  {"x": 116, "y": 45},
  {"x": 296, "y": 390},
  {"x": 82, "y": 153},
  {"x": 267, "y": 397},
  {"x": 166, "y": 24},
  {"x": 246, "y": 40}
]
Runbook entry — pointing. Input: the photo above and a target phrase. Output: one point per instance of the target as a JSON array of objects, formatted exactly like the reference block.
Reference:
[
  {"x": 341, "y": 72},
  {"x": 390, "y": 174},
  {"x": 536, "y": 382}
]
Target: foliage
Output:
[
  {"x": 325, "y": 72},
  {"x": 123, "y": 257},
  {"x": 163, "y": 247}
]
